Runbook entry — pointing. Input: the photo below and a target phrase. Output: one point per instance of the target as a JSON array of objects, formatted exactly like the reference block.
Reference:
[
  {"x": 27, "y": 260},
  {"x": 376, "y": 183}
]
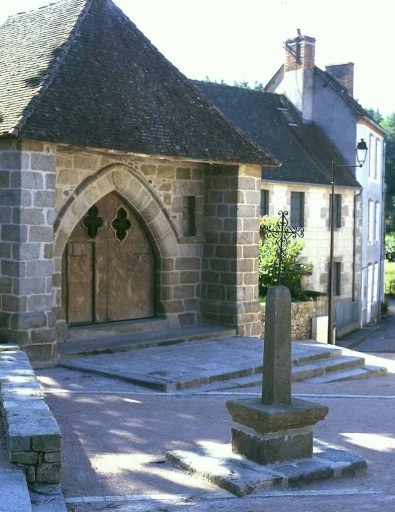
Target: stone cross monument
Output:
[{"x": 275, "y": 427}]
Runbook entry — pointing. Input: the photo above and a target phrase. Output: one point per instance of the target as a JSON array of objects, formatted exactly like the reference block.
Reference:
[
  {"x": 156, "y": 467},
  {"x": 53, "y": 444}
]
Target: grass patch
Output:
[{"x": 389, "y": 277}]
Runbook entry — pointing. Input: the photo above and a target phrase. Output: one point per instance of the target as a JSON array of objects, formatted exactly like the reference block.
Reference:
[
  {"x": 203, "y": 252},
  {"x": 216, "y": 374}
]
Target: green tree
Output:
[
  {"x": 292, "y": 270},
  {"x": 375, "y": 114},
  {"x": 390, "y": 246},
  {"x": 389, "y": 125},
  {"x": 258, "y": 86}
]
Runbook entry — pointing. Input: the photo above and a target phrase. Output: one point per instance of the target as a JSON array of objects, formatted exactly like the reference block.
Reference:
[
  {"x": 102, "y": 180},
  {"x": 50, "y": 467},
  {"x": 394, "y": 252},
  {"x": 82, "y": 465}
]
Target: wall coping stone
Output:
[{"x": 33, "y": 437}]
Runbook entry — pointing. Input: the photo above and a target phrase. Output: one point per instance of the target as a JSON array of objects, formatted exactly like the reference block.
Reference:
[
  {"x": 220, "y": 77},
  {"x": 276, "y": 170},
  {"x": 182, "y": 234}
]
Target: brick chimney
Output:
[
  {"x": 344, "y": 73},
  {"x": 299, "y": 53}
]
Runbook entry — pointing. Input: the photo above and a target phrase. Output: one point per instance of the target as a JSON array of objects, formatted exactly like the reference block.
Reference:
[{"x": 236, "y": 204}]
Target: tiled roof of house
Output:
[
  {"x": 80, "y": 72},
  {"x": 274, "y": 124}
]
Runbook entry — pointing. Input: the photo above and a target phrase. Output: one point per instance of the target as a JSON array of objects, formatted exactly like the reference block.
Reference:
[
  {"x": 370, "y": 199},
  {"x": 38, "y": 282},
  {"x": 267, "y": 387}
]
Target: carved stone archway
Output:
[{"x": 136, "y": 192}]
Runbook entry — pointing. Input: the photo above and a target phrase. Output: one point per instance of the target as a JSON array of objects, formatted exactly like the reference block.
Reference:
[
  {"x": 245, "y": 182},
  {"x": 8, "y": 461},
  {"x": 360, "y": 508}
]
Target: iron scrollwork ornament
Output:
[{"x": 281, "y": 234}]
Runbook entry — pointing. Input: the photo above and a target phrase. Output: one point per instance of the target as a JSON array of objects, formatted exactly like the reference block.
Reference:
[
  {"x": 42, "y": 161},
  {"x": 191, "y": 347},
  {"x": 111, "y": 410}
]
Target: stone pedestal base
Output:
[{"x": 268, "y": 434}]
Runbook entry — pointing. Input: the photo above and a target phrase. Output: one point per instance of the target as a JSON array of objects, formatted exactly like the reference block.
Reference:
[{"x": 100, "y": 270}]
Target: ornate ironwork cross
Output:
[{"x": 281, "y": 234}]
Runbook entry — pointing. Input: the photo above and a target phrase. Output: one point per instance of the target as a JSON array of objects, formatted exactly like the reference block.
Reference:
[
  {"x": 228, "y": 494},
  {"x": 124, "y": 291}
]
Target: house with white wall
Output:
[
  {"x": 301, "y": 186},
  {"x": 325, "y": 99}
]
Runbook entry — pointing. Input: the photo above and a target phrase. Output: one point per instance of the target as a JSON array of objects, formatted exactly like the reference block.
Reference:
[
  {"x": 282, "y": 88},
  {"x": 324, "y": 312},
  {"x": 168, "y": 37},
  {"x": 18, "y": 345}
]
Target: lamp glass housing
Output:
[{"x": 362, "y": 150}]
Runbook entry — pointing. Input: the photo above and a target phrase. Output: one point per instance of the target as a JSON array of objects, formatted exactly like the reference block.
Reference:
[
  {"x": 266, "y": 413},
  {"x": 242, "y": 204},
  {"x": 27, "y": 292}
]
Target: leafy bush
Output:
[
  {"x": 390, "y": 246},
  {"x": 291, "y": 269}
]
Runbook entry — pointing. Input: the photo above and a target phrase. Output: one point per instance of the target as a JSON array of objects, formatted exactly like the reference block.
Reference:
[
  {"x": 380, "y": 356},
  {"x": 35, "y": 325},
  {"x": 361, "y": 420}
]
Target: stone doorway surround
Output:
[
  {"x": 108, "y": 267},
  {"x": 125, "y": 181}
]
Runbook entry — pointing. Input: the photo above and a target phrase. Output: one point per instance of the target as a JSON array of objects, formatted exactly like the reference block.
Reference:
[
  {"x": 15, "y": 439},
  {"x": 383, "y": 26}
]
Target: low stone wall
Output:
[
  {"x": 301, "y": 315},
  {"x": 33, "y": 437}
]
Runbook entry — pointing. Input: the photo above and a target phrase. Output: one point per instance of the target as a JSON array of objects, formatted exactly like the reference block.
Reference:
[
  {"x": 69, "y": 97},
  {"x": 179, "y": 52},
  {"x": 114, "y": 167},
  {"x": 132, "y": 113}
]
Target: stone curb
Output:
[
  {"x": 240, "y": 476},
  {"x": 33, "y": 437}
]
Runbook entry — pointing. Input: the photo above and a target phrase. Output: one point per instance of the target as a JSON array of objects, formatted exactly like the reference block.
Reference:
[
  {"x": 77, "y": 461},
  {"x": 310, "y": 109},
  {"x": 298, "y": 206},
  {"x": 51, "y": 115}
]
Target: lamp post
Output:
[{"x": 361, "y": 152}]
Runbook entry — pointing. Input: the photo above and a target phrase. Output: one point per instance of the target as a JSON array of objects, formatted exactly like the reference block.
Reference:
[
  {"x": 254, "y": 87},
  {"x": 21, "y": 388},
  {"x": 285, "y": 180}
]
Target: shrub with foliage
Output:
[
  {"x": 291, "y": 269},
  {"x": 390, "y": 246}
]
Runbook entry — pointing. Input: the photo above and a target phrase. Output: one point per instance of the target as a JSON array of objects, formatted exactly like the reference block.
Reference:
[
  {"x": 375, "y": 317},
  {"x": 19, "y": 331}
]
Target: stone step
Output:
[
  {"x": 95, "y": 331},
  {"x": 322, "y": 371},
  {"x": 356, "y": 373},
  {"x": 14, "y": 492},
  {"x": 123, "y": 342},
  {"x": 47, "y": 498},
  {"x": 230, "y": 361},
  {"x": 325, "y": 366}
]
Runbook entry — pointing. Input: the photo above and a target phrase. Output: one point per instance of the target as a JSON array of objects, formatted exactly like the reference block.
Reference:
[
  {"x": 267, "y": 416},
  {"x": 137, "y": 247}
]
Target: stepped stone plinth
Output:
[
  {"x": 272, "y": 435},
  {"x": 268, "y": 434}
]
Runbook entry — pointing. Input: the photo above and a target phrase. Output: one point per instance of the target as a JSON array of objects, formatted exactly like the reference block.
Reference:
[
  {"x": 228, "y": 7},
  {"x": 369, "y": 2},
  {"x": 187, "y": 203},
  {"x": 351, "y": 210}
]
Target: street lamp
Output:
[{"x": 361, "y": 152}]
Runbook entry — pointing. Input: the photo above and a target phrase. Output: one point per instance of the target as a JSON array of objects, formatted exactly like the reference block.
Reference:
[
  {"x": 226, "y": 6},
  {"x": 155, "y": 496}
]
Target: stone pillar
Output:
[
  {"x": 230, "y": 293},
  {"x": 27, "y": 181},
  {"x": 276, "y": 428},
  {"x": 276, "y": 383}
]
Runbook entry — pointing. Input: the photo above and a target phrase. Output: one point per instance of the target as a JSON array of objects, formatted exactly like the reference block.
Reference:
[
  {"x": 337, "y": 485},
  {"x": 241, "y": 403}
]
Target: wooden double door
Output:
[{"x": 108, "y": 266}]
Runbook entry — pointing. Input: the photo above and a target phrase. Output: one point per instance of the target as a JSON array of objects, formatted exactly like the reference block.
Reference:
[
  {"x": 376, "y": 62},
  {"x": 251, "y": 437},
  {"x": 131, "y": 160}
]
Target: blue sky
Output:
[{"x": 243, "y": 40}]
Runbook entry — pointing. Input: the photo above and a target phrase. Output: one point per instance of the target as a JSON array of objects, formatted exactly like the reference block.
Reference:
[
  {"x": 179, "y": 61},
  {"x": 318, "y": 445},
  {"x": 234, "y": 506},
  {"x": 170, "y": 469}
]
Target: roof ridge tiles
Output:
[{"x": 53, "y": 68}]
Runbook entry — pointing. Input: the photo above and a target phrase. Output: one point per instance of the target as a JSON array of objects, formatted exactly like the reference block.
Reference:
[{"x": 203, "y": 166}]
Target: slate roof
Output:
[
  {"x": 306, "y": 155},
  {"x": 80, "y": 72}
]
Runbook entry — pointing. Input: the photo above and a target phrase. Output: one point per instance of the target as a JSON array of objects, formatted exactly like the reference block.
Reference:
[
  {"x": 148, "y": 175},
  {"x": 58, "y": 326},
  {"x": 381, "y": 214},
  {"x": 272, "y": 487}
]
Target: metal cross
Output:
[{"x": 282, "y": 233}]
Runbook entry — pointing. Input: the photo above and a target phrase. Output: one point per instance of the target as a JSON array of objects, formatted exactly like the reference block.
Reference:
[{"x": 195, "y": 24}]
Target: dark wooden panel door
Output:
[
  {"x": 109, "y": 266},
  {"x": 80, "y": 260}
]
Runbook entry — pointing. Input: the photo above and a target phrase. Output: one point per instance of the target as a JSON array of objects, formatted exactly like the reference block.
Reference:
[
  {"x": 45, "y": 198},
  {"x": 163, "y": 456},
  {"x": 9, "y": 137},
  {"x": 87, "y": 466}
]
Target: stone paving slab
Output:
[
  {"x": 14, "y": 495},
  {"x": 236, "y": 474},
  {"x": 47, "y": 498},
  {"x": 196, "y": 363}
]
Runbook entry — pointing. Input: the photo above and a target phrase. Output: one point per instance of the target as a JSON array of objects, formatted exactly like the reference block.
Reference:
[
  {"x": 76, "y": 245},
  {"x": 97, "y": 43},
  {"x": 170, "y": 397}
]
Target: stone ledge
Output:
[
  {"x": 236, "y": 474},
  {"x": 277, "y": 417},
  {"x": 33, "y": 437}
]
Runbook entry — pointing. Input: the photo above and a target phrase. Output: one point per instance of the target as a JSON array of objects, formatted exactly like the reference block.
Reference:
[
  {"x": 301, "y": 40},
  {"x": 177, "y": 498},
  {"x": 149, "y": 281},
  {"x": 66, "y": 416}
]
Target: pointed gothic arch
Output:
[{"x": 127, "y": 183}]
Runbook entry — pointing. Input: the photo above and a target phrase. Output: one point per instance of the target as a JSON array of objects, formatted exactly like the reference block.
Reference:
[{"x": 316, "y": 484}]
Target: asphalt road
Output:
[{"x": 116, "y": 436}]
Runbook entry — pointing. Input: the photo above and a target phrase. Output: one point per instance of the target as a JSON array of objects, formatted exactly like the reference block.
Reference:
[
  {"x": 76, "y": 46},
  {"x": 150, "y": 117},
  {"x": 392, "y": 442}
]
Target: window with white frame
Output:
[
  {"x": 377, "y": 221},
  {"x": 372, "y": 151},
  {"x": 379, "y": 159},
  {"x": 376, "y": 282},
  {"x": 337, "y": 273},
  {"x": 370, "y": 221},
  {"x": 297, "y": 209},
  {"x": 264, "y": 202},
  {"x": 337, "y": 210}
]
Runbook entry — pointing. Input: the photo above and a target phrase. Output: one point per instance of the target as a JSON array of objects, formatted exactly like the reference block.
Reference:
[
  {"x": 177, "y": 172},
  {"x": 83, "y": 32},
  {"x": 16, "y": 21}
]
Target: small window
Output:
[
  {"x": 297, "y": 209},
  {"x": 288, "y": 116},
  {"x": 189, "y": 216},
  {"x": 372, "y": 156},
  {"x": 370, "y": 221},
  {"x": 337, "y": 212},
  {"x": 377, "y": 222},
  {"x": 264, "y": 202},
  {"x": 337, "y": 268},
  {"x": 376, "y": 282}
]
